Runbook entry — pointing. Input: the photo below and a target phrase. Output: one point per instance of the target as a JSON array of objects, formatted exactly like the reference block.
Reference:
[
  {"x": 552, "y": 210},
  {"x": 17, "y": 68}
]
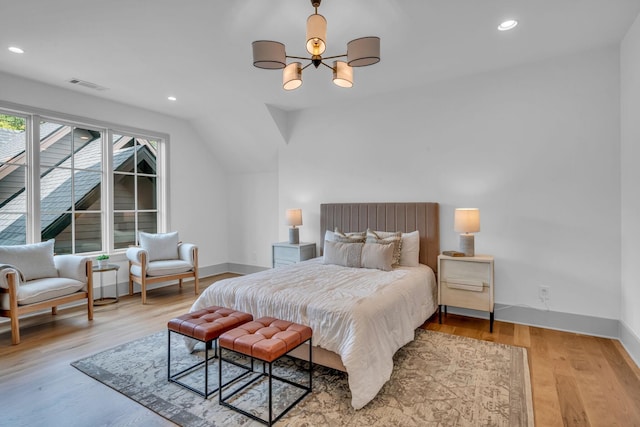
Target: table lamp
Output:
[
  {"x": 467, "y": 221},
  {"x": 294, "y": 218}
]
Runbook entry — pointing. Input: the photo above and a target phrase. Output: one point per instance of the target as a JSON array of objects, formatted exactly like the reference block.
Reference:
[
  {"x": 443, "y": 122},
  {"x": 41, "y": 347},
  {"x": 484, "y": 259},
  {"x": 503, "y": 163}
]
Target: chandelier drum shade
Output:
[
  {"x": 292, "y": 76},
  {"x": 316, "y": 34},
  {"x": 363, "y": 51},
  {"x": 271, "y": 55}
]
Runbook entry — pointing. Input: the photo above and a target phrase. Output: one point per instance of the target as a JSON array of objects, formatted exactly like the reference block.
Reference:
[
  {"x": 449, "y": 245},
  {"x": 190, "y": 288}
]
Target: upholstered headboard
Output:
[{"x": 405, "y": 217}]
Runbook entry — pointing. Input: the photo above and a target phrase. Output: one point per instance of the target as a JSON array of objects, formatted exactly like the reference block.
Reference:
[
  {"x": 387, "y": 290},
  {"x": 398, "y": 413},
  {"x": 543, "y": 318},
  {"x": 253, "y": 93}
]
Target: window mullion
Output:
[
  {"x": 107, "y": 193},
  {"x": 33, "y": 179}
]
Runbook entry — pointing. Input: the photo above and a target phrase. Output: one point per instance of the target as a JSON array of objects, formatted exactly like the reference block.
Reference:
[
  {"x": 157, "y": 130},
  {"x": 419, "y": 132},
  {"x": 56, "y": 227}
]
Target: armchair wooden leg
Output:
[
  {"x": 90, "y": 296},
  {"x": 180, "y": 283},
  {"x": 197, "y": 285},
  {"x": 13, "y": 309},
  {"x": 54, "y": 310},
  {"x": 130, "y": 285},
  {"x": 15, "y": 329},
  {"x": 143, "y": 287}
]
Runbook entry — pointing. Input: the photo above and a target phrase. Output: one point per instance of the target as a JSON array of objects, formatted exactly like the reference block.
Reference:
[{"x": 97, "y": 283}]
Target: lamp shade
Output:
[
  {"x": 342, "y": 74},
  {"x": 467, "y": 220},
  {"x": 363, "y": 51},
  {"x": 316, "y": 34},
  {"x": 292, "y": 76},
  {"x": 268, "y": 54},
  {"x": 294, "y": 217}
]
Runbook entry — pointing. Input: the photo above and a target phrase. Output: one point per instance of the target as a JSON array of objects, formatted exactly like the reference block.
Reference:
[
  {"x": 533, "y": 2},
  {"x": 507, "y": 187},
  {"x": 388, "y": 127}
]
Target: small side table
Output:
[
  {"x": 106, "y": 300},
  {"x": 285, "y": 253},
  {"x": 466, "y": 282}
]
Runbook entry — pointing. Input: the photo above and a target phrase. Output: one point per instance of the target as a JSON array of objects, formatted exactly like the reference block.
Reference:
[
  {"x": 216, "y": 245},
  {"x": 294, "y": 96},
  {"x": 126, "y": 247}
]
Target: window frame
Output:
[{"x": 34, "y": 116}]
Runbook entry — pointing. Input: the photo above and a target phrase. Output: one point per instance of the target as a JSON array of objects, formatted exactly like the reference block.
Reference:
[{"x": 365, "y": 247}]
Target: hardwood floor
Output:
[{"x": 577, "y": 380}]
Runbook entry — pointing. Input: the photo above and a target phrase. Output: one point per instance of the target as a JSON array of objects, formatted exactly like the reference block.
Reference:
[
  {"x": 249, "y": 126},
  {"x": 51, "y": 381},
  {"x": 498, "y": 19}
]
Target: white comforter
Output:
[{"x": 363, "y": 315}]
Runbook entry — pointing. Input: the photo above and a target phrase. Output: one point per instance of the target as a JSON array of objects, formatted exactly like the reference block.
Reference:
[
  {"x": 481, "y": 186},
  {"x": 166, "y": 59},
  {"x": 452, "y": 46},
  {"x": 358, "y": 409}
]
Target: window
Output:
[
  {"x": 134, "y": 188},
  {"x": 13, "y": 179},
  {"x": 90, "y": 188},
  {"x": 70, "y": 184}
]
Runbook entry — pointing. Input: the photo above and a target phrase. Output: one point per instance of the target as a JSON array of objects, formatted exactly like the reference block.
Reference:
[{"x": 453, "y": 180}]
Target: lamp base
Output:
[
  {"x": 467, "y": 244},
  {"x": 294, "y": 236}
]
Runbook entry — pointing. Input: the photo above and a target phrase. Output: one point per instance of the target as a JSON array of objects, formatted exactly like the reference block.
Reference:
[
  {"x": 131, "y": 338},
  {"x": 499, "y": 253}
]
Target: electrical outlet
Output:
[{"x": 543, "y": 293}]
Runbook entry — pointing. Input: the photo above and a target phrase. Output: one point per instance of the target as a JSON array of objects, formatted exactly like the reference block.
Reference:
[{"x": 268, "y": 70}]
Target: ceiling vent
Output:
[{"x": 87, "y": 84}]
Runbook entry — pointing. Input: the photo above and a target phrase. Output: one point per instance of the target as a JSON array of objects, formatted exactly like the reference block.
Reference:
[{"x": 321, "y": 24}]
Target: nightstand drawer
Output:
[
  {"x": 466, "y": 295},
  {"x": 286, "y": 254},
  {"x": 456, "y": 271}
]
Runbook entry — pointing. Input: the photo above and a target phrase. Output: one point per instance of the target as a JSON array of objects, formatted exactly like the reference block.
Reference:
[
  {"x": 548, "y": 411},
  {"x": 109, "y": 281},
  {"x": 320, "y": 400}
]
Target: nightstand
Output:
[
  {"x": 285, "y": 253},
  {"x": 466, "y": 282}
]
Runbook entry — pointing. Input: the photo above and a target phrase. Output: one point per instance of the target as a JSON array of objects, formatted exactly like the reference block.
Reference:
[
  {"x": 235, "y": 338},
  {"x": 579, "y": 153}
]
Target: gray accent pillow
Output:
[
  {"x": 386, "y": 238},
  {"x": 161, "y": 246},
  {"x": 344, "y": 254},
  {"x": 35, "y": 261},
  {"x": 377, "y": 256}
]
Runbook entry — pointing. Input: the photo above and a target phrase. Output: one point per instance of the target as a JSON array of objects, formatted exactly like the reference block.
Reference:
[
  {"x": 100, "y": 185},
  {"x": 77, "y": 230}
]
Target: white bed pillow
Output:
[
  {"x": 377, "y": 256},
  {"x": 410, "y": 250},
  {"x": 344, "y": 254},
  {"x": 161, "y": 246},
  {"x": 387, "y": 238},
  {"x": 34, "y": 261},
  {"x": 329, "y": 236}
]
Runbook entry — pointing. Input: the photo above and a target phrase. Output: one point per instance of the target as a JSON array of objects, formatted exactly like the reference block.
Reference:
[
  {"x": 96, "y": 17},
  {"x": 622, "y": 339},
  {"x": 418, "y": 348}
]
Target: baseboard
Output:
[
  {"x": 630, "y": 341},
  {"x": 212, "y": 270},
  {"x": 244, "y": 269},
  {"x": 567, "y": 322},
  {"x": 207, "y": 271}
]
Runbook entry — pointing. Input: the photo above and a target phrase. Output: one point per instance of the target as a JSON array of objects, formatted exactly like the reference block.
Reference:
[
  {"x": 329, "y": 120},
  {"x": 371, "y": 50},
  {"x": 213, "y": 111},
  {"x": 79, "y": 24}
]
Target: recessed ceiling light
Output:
[
  {"x": 172, "y": 98},
  {"x": 509, "y": 24},
  {"x": 16, "y": 49}
]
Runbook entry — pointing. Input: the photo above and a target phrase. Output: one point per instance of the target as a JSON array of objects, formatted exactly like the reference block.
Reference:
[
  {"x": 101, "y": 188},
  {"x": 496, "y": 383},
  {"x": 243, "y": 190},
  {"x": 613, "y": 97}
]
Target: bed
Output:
[{"x": 360, "y": 316}]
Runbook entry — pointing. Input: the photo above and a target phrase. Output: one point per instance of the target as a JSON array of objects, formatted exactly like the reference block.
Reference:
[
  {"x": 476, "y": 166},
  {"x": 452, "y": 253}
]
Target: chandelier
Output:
[{"x": 271, "y": 55}]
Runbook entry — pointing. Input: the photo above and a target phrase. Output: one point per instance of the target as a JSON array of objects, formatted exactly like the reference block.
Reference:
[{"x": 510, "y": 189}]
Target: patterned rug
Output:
[{"x": 438, "y": 380}]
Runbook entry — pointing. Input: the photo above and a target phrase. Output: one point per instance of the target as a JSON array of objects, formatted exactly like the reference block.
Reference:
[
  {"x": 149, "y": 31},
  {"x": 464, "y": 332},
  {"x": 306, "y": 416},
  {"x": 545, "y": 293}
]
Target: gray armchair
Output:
[
  {"x": 161, "y": 258},
  {"x": 32, "y": 278}
]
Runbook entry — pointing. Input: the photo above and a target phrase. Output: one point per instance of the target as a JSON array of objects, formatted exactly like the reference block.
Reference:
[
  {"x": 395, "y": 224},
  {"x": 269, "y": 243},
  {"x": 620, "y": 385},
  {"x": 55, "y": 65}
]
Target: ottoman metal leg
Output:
[{"x": 223, "y": 400}]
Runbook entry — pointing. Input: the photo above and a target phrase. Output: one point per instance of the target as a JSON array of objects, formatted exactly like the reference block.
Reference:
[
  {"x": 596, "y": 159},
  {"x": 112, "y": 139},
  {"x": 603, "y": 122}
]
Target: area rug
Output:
[{"x": 438, "y": 380}]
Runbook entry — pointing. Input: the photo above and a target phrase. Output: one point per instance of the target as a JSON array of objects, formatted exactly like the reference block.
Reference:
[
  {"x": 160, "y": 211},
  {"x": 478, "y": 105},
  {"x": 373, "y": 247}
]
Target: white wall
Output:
[
  {"x": 198, "y": 193},
  {"x": 630, "y": 137},
  {"x": 253, "y": 218},
  {"x": 536, "y": 148}
]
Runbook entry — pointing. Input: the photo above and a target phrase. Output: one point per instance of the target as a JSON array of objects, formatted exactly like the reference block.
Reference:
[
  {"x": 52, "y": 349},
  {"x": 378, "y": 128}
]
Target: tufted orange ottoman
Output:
[
  {"x": 266, "y": 339},
  {"x": 206, "y": 326}
]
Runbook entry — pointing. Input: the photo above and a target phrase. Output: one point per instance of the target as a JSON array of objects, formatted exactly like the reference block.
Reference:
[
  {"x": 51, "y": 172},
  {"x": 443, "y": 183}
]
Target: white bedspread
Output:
[{"x": 363, "y": 315}]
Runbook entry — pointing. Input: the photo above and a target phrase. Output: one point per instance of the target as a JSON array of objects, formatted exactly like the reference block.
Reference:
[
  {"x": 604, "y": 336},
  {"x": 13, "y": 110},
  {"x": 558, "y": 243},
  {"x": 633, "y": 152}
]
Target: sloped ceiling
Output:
[{"x": 200, "y": 52}]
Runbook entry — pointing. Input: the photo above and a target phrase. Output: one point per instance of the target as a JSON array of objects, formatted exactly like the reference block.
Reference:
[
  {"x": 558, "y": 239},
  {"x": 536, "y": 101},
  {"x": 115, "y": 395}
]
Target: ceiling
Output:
[{"x": 200, "y": 52}]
